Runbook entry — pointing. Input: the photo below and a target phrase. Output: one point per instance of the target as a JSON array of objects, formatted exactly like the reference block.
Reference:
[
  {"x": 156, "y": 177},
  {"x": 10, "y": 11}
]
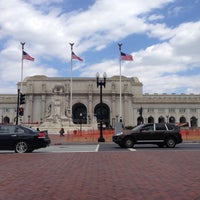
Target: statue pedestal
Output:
[{"x": 54, "y": 124}]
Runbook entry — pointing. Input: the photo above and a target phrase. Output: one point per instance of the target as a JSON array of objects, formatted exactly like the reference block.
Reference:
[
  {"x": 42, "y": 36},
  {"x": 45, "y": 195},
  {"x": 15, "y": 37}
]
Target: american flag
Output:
[
  {"x": 125, "y": 56},
  {"x": 26, "y": 56},
  {"x": 74, "y": 56}
]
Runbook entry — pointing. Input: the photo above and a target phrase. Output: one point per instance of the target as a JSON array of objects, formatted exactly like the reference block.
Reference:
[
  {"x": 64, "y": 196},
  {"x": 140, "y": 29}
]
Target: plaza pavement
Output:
[{"x": 126, "y": 175}]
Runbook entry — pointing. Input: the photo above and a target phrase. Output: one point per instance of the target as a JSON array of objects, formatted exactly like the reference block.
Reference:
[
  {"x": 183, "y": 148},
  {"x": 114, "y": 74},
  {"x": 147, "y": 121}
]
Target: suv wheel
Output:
[
  {"x": 170, "y": 142},
  {"x": 21, "y": 147},
  {"x": 128, "y": 142}
]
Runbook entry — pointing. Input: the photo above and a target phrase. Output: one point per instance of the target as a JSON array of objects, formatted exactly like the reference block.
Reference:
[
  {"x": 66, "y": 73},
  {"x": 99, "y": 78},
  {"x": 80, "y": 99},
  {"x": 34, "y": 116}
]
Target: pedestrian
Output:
[{"x": 62, "y": 132}]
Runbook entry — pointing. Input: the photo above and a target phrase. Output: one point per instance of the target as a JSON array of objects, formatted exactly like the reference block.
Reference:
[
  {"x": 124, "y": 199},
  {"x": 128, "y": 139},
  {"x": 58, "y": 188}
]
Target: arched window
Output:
[{"x": 79, "y": 113}]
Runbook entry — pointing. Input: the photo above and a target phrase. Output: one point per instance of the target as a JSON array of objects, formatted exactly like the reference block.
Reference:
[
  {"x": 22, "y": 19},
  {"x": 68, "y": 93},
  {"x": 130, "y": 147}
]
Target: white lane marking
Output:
[
  {"x": 97, "y": 148},
  {"x": 131, "y": 149}
]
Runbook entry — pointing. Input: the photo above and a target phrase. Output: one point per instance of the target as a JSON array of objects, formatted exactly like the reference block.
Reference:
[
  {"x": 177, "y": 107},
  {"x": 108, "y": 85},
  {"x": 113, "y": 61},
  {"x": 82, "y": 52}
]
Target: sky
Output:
[{"x": 163, "y": 36}]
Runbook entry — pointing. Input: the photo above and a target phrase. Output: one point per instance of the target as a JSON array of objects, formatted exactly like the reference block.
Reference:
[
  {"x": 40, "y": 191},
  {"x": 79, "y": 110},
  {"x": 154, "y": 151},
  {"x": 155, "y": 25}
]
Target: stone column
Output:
[
  {"x": 90, "y": 102},
  {"x": 43, "y": 107},
  {"x": 30, "y": 107}
]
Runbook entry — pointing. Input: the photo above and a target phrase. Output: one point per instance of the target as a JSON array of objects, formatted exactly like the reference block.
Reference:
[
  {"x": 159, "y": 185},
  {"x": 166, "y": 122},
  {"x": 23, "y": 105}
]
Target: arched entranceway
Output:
[
  {"x": 150, "y": 119},
  {"x": 6, "y": 120},
  {"x": 172, "y": 119},
  {"x": 79, "y": 113},
  {"x": 161, "y": 119},
  {"x": 182, "y": 119},
  {"x": 183, "y": 122},
  {"x": 105, "y": 114},
  {"x": 193, "y": 122},
  {"x": 140, "y": 120}
]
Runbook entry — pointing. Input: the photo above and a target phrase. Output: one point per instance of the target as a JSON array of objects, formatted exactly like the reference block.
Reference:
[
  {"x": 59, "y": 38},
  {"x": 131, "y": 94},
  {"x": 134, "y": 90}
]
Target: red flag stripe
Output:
[
  {"x": 26, "y": 56},
  {"x": 125, "y": 56},
  {"x": 74, "y": 56}
]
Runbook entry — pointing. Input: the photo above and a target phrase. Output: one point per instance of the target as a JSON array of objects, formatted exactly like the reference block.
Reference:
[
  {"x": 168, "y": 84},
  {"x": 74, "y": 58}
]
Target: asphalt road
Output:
[{"x": 112, "y": 147}]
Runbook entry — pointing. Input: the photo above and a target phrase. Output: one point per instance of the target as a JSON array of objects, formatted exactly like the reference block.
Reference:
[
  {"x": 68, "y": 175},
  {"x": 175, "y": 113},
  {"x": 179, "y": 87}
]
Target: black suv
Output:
[{"x": 153, "y": 133}]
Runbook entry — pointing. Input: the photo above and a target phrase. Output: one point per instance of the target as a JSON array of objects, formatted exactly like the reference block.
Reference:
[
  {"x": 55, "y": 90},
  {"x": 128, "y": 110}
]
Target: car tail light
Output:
[{"x": 42, "y": 135}]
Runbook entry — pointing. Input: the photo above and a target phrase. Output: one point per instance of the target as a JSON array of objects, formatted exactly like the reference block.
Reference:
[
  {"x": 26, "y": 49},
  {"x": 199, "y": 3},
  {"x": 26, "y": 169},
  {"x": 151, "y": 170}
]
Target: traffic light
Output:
[
  {"x": 22, "y": 99},
  {"x": 21, "y": 111}
]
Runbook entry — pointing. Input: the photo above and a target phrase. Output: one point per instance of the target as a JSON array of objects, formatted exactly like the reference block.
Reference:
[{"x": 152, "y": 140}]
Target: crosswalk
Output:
[{"x": 81, "y": 148}]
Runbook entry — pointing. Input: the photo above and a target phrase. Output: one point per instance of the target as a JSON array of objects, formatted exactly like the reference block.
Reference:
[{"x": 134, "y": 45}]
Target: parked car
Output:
[
  {"x": 22, "y": 139},
  {"x": 161, "y": 134}
]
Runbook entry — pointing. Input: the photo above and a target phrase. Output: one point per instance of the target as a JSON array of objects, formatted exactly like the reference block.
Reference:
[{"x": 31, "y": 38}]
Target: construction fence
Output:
[
  {"x": 83, "y": 136},
  {"x": 190, "y": 134},
  {"x": 89, "y": 136}
]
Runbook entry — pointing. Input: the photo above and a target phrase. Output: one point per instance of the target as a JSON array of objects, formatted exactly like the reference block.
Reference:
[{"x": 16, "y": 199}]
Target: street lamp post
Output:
[{"x": 101, "y": 83}]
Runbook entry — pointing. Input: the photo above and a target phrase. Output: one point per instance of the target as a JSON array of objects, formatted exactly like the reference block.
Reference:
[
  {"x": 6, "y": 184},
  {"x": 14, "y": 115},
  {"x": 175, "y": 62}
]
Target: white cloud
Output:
[
  {"x": 111, "y": 67},
  {"x": 160, "y": 31},
  {"x": 104, "y": 22},
  {"x": 187, "y": 41},
  {"x": 47, "y": 32},
  {"x": 161, "y": 67}
]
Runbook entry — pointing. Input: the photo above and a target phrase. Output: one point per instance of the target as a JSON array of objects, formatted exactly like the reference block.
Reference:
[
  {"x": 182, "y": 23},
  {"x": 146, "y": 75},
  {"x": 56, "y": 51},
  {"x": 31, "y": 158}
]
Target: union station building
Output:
[{"x": 50, "y": 102}]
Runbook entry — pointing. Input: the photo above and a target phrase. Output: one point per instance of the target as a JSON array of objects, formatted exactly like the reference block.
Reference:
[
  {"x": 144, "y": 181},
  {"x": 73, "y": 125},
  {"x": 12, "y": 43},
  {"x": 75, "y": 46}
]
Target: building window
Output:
[
  {"x": 161, "y": 110},
  {"x": 150, "y": 110},
  {"x": 182, "y": 110},
  {"x": 171, "y": 110},
  {"x": 193, "y": 110}
]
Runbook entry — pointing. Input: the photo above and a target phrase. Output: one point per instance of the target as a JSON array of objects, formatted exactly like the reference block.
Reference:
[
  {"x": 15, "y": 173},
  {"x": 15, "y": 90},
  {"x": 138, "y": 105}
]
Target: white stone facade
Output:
[{"x": 48, "y": 103}]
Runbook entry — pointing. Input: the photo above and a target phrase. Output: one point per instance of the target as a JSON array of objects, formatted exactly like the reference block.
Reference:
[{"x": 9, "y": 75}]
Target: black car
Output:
[
  {"x": 161, "y": 134},
  {"x": 22, "y": 139}
]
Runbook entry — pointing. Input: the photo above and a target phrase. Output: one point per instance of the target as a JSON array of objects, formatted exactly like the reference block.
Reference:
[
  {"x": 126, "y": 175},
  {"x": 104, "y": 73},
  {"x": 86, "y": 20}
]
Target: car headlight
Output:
[{"x": 119, "y": 133}]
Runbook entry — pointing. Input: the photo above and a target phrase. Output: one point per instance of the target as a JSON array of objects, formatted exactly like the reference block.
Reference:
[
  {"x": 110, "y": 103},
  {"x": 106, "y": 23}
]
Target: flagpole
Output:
[
  {"x": 22, "y": 64},
  {"x": 120, "y": 84},
  {"x": 71, "y": 44}
]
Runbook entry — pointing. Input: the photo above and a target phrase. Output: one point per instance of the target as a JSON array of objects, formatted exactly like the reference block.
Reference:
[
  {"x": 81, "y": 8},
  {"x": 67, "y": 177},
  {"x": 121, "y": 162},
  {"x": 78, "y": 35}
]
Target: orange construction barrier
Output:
[
  {"x": 190, "y": 134},
  {"x": 89, "y": 135}
]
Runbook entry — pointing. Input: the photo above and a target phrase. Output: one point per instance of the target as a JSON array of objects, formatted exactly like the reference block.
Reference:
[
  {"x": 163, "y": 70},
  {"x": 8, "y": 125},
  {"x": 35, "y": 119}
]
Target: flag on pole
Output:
[
  {"x": 74, "y": 56},
  {"x": 125, "y": 56},
  {"x": 26, "y": 56}
]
